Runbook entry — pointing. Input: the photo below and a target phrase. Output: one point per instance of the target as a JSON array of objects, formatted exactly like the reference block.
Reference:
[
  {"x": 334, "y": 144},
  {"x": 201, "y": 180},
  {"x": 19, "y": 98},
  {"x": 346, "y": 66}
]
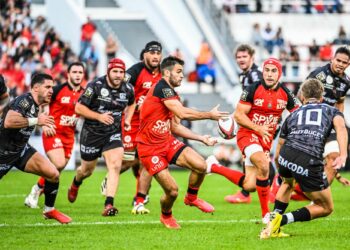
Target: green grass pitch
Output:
[{"x": 230, "y": 227}]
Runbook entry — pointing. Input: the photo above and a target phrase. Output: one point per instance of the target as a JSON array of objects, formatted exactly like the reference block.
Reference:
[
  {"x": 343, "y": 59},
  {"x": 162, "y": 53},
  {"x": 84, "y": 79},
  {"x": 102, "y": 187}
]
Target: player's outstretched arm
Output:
[
  {"x": 176, "y": 107},
  {"x": 15, "y": 120},
  {"x": 178, "y": 129},
  {"x": 342, "y": 138}
]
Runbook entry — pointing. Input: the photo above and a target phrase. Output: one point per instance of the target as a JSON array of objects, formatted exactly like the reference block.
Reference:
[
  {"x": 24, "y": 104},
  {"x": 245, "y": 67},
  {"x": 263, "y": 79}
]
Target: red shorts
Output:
[
  {"x": 59, "y": 141},
  {"x": 245, "y": 139},
  {"x": 129, "y": 139},
  {"x": 157, "y": 160}
]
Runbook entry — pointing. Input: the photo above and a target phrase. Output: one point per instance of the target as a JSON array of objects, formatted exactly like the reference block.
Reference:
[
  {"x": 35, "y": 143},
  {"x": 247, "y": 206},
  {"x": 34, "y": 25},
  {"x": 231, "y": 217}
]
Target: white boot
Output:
[{"x": 33, "y": 198}]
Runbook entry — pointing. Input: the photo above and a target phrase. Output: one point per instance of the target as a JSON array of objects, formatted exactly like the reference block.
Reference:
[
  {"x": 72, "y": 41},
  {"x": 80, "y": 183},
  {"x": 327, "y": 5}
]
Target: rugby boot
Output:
[
  {"x": 169, "y": 222},
  {"x": 238, "y": 198},
  {"x": 273, "y": 227},
  {"x": 57, "y": 215},
  {"x": 73, "y": 193},
  {"x": 33, "y": 197},
  {"x": 200, "y": 204},
  {"x": 109, "y": 210},
  {"x": 140, "y": 209}
]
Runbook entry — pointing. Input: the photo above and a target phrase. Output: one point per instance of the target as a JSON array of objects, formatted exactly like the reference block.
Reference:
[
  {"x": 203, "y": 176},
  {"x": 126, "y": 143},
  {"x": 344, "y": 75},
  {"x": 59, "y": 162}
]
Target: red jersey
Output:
[
  {"x": 267, "y": 105},
  {"x": 155, "y": 117},
  {"x": 62, "y": 108},
  {"x": 142, "y": 79}
]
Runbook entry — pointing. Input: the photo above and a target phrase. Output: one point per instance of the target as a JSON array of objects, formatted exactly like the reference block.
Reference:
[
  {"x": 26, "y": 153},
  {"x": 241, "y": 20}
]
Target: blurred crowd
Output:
[{"x": 29, "y": 45}]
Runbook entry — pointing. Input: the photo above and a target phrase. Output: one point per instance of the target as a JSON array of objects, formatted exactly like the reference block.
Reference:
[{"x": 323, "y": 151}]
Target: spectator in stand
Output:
[
  {"x": 111, "y": 47},
  {"x": 326, "y": 52},
  {"x": 178, "y": 54},
  {"x": 342, "y": 37},
  {"x": 295, "y": 59},
  {"x": 256, "y": 36},
  {"x": 268, "y": 35},
  {"x": 279, "y": 40},
  {"x": 284, "y": 58},
  {"x": 314, "y": 51},
  {"x": 87, "y": 31},
  {"x": 205, "y": 66}
]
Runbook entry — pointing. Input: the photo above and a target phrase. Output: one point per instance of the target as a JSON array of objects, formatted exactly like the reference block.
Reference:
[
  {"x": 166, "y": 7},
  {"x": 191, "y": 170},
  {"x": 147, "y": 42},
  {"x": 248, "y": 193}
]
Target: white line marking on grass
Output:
[{"x": 147, "y": 222}]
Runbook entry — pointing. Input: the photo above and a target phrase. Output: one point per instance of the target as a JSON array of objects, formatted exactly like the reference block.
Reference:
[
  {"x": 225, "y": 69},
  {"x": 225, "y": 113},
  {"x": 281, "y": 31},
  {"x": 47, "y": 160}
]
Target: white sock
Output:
[
  {"x": 290, "y": 218},
  {"x": 48, "y": 209}
]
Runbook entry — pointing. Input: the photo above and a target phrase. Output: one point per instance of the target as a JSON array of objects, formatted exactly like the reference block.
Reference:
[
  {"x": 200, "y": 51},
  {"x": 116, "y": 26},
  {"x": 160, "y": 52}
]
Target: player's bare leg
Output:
[
  {"x": 189, "y": 158},
  {"x": 170, "y": 188}
]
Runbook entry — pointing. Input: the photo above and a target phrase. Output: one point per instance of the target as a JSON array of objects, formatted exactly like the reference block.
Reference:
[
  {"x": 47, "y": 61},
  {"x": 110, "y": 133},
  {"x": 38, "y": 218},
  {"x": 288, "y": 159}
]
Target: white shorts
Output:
[
  {"x": 331, "y": 147},
  {"x": 249, "y": 151}
]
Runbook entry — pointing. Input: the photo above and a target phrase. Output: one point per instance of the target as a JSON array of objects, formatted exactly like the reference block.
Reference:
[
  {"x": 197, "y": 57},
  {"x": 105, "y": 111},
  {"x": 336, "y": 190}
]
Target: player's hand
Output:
[
  {"x": 264, "y": 132},
  {"x": 106, "y": 118},
  {"x": 208, "y": 140},
  {"x": 339, "y": 162},
  {"x": 46, "y": 120},
  {"x": 49, "y": 131},
  {"x": 127, "y": 126},
  {"x": 344, "y": 181},
  {"x": 216, "y": 114}
]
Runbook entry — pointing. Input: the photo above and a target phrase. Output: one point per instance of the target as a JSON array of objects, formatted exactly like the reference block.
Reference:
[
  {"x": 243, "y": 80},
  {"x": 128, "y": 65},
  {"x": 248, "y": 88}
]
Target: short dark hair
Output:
[
  {"x": 343, "y": 50},
  {"x": 245, "y": 47},
  {"x": 39, "y": 78},
  {"x": 169, "y": 63},
  {"x": 312, "y": 88},
  {"x": 75, "y": 64}
]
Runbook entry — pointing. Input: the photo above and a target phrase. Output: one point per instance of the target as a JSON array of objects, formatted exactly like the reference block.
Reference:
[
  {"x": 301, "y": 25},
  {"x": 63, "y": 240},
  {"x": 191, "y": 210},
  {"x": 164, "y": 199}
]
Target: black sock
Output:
[
  {"x": 302, "y": 214},
  {"x": 245, "y": 192},
  {"x": 109, "y": 200},
  {"x": 193, "y": 191},
  {"x": 167, "y": 214},
  {"x": 50, "y": 191},
  {"x": 272, "y": 173},
  {"x": 76, "y": 183},
  {"x": 141, "y": 195},
  {"x": 280, "y": 207}
]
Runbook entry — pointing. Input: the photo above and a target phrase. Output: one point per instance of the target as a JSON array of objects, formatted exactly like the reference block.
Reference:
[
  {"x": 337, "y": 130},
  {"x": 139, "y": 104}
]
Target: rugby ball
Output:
[{"x": 227, "y": 128}]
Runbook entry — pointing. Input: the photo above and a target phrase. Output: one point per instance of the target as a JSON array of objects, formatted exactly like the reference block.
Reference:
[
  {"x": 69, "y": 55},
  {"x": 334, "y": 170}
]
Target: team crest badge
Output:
[
  {"x": 321, "y": 76},
  {"x": 104, "y": 92},
  {"x": 168, "y": 92},
  {"x": 155, "y": 159},
  {"x": 88, "y": 92}
]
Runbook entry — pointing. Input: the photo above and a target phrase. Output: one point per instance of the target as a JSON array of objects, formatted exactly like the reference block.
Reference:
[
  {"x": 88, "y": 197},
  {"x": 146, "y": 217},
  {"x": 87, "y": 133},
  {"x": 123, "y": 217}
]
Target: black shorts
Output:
[
  {"x": 92, "y": 145},
  {"x": 307, "y": 170},
  {"x": 332, "y": 136},
  {"x": 16, "y": 160}
]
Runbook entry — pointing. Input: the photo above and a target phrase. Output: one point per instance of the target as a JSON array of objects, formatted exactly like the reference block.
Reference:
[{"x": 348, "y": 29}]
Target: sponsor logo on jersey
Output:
[
  {"x": 258, "y": 102},
  {"x": 147, "y": 85},
  {"x": 24, "y": 104},
  {"x": 67, "y": 120},
  {"x": 161, "y": 127},
  {"x": 244, "y": 95},
  {"x": 168, "y": 92},
  {"x": 261, "y": 119},
  {"x": 122, "y": 96},
  {"x": 321, "y": 76},
  {"x": 57, "y": 143},
  {"x": 341, "y": 87},
  {"x": 293, "y": 167},
  {"x": 65, "y": 99},
  {"x": 254, "y": 138},
  {"x": 88, "y": 92},
  {"x": 89, "y": 150},
  {"x": 127, "y": 77},
  {"x": 115, "y": 137},
  {"x": 155, "y": 159},
  {"x": 104, "y": 92},
  {"x": 32, "y": 110},
  {"x": 5, "y": 167},
  {"x": 281, "y": 104},
  {"x": 329, "y": 79},
  {"x": 127, "y": 138}
]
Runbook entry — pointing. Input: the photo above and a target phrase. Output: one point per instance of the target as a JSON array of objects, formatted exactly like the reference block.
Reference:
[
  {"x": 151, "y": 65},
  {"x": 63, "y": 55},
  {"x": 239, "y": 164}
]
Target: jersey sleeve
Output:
[
  {"x": 88, "y": 95},
  {"x": 132, "y": 73},
  {"x": 3, "y": 88},
  {"x": 21, "y": 105},
  {"x": 131, "y": 94},
  {"x": 292, "y": 103},
  {"x": 256, "y": 77},
  {"x": 164, "y": 92},
  {"x": 247, "y": 96}
]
